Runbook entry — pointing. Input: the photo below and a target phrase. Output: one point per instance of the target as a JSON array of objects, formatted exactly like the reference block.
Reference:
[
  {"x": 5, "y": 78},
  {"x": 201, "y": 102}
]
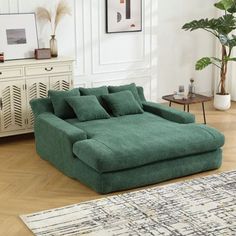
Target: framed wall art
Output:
[
  {"x": 18, "y": 35},
  {"x": 123, "y": 16}
]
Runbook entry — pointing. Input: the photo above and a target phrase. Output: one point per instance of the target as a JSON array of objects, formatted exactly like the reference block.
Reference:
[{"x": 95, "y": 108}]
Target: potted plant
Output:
[{"x": 222, "y": 29}]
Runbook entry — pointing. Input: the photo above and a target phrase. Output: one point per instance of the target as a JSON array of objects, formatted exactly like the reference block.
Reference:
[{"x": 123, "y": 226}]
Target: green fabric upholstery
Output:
[
  {"x": 41, "y": 105},
  {"x": 55, "y": 138},
  {"x": 87, "y": 108},
  {"x": 98, "y": 92},
  {"x": 169, "y": 113},
  {"x": 126, "y": 151},
  {"x": 130, "y": 141},
  {"x": 122, "y": 103},
  {"x": 141, "y": 94},
  {"x": 131, "y": 87},
  {"x": 148, "y": 174},
  {"x": 61, "y": 107}
]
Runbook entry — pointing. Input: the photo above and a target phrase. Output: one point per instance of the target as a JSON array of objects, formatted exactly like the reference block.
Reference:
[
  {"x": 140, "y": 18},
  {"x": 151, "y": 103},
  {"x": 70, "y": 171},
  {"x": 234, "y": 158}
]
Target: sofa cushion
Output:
[
  {"x": 131, "y": 141},
  {"x": 60, "y": 106},
  {"x": 122, "y": 103},
  {"x": 98, "y": 92},
  {"x": 87, "y": 108},
  {"x": 131, "y": 87},
  {"x": 141, "y": 93}
]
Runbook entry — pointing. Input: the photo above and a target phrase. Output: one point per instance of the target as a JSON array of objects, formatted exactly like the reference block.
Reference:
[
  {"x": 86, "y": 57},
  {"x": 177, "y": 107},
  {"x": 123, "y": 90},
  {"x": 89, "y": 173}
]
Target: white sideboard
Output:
[{"x": 23, "y": 80}]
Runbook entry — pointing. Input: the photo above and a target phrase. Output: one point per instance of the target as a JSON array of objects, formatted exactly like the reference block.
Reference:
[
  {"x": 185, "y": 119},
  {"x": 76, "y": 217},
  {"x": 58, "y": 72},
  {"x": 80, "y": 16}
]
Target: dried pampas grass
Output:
[{"x": 62, "y": 9}]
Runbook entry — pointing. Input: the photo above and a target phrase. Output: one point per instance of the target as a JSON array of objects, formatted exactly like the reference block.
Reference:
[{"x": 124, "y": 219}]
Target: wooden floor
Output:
[{"x": 29, "y": 184}]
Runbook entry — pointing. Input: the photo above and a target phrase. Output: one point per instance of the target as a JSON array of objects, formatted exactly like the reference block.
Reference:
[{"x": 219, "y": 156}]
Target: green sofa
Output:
[{"x": 126, "y": 151}]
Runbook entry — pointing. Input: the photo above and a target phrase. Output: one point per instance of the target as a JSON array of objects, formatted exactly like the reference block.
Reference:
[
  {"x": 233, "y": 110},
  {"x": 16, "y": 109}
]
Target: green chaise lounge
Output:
[{"x": 127, "y": 150}]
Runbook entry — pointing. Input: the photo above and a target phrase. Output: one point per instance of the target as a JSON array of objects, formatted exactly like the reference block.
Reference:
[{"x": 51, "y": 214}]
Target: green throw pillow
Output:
[
  {"x": 130, "y": 87},
  {"x": 122, "y": 103},
  {"x": 87, "y": 108},
  {"x": 60, "y": 106},
  {"x": 94, "y": 91}
]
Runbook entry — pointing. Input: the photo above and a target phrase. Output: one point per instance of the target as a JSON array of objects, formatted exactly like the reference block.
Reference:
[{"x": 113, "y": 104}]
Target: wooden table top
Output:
[{"x": 197, "y": 99}]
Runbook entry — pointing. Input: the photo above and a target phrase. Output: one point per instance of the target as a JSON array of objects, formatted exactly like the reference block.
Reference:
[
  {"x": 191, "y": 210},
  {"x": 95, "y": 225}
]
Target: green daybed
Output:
[{"x": 151, "y": 144}]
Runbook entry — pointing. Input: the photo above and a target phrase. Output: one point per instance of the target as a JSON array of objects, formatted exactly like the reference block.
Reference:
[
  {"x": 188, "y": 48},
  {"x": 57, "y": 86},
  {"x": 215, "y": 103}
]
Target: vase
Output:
[
  {"x": 222, "y": 102},
  {"x": 53, "y": 46}
]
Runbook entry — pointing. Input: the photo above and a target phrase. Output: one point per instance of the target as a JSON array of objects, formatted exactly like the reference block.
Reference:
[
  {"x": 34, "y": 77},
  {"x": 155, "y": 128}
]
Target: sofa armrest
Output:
[
  {"x": 169, "y": 113},
  {"x": 50, "y": 129},
  {"x": 41, "y": 105}
]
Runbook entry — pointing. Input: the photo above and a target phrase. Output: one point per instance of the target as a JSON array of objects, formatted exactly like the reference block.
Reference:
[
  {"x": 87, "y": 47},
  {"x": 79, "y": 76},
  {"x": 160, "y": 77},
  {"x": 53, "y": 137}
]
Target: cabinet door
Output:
[
  {"x": 36, "y": 88},
  {"x": 12, "y": 97},
  {"x": 60, "y": 82}
]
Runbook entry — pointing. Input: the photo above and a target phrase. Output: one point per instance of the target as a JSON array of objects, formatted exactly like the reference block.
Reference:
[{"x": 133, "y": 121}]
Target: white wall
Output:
[
  {"x": 160, "y": 58},
  {"x": 179, "y": 50}
]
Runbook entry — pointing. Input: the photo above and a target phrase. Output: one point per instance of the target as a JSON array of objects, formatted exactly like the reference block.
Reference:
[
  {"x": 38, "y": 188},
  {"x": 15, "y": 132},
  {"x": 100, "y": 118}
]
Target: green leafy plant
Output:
[{"x": 222, "y": 29}]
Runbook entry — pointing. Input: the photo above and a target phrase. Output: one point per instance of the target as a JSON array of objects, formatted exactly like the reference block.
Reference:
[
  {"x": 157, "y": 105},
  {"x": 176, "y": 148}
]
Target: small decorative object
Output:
[
  {"x": 53, "y": 46},
  {"x": 45, "y": 15},
  {"x": 181, "y": 89},
  {"x": 18, "y": 35},
  {"x": 191, "y": 89},
  {"x": 42, "y": 53},
  {"x": 123, "y": 16},
  {"x": 1, "y": 57}
]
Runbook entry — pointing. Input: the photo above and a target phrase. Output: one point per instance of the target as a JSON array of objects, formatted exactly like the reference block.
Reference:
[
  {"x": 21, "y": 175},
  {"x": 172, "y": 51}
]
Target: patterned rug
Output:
[{"x": 203, "y": 206}]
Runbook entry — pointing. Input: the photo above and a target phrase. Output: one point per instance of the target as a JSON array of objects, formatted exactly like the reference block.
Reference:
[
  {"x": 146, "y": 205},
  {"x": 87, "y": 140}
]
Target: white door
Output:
[
  {"x": 36, "y": 88},
  {"x": 62, "y": 82},
  {"x": 12, "y": 105}
]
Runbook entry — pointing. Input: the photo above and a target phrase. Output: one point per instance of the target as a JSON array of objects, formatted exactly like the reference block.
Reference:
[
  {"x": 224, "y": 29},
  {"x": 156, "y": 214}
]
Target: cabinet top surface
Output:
[{"x": 34, "y": 61}]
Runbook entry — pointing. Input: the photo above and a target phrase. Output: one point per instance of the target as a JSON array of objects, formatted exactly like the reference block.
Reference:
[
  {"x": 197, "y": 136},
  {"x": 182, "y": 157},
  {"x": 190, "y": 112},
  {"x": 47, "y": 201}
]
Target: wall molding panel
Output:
[{"x": 100, "y": 58}]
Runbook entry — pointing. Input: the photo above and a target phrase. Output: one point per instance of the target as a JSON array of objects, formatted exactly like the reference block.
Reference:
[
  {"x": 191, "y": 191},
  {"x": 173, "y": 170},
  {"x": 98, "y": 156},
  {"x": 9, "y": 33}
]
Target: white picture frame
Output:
[
  {"x": 18, "y": 35},
  {"x": 123, "y": 16}
]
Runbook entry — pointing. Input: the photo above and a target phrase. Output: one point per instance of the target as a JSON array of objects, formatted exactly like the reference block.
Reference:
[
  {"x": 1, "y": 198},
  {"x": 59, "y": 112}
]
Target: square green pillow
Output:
[
  {"x": 94, "y": 91},
  {"x": 130, "y": 87},
  {"x": 60, "y": 106},
  {"x": 87, "y": 108},
  {"x": 122, "y": 103}
]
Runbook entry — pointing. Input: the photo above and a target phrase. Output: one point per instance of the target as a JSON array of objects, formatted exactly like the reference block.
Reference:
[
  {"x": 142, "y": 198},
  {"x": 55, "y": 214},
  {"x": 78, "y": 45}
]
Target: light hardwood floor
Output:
[{"x": 29, "y": 184}]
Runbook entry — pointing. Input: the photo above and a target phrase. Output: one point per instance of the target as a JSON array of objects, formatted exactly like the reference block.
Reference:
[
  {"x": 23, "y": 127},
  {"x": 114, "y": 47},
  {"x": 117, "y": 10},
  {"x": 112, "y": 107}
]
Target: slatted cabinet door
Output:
[
  {"x": 60, "y": 82},
  {"x": 36, "y": 88},
  {"x": 12, "y": 98}
]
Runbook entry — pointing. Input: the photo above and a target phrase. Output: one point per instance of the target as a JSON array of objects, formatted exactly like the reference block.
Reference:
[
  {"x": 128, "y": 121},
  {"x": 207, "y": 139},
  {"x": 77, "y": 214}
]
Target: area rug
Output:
[{"x": 203, "y": 206}]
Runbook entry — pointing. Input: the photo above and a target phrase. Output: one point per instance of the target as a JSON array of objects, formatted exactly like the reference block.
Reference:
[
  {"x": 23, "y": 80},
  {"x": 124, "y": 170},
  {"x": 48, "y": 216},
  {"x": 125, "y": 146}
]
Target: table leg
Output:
[
  {"x": 188, "y": 107},
  {"x": 204, "y": 114},
  {"x": 184, "y": 107},
  {"x": 169, "y": 104}
]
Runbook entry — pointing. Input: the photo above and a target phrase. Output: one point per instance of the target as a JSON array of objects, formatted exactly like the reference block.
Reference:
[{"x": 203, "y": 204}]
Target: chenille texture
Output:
[
  {"x": 122, "y": 103},
  {"x": 60, "y": 106},
  {"x": 87, "y": 108}
]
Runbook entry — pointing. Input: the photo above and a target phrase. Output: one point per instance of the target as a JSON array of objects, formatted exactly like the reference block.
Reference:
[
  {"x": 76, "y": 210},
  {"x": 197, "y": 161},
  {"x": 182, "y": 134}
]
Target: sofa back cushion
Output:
[
  {"x": 122, "y": 103},
  {"x": 60, "y": 106},
  {"x": 98, "y": 92},
  {"x": 141, "y": 93},
  {"x": 130, "y": 87},
  {"x": 87, "y": 108}
]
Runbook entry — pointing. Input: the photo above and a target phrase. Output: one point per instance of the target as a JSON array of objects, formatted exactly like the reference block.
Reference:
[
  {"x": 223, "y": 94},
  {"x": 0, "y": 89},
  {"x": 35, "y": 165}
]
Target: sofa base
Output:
[{"x": 141, "y": 176}]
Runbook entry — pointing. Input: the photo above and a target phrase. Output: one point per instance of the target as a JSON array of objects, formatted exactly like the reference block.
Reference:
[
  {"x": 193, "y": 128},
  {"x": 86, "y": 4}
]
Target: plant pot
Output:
[{"x": 222, "y": 102}]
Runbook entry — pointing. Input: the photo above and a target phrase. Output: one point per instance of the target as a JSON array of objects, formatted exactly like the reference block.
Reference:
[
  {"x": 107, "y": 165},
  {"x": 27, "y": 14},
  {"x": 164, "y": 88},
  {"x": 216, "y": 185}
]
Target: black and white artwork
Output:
[
  {"x": 123, "y": 16},
  {"x": 18, "y": 35}
]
